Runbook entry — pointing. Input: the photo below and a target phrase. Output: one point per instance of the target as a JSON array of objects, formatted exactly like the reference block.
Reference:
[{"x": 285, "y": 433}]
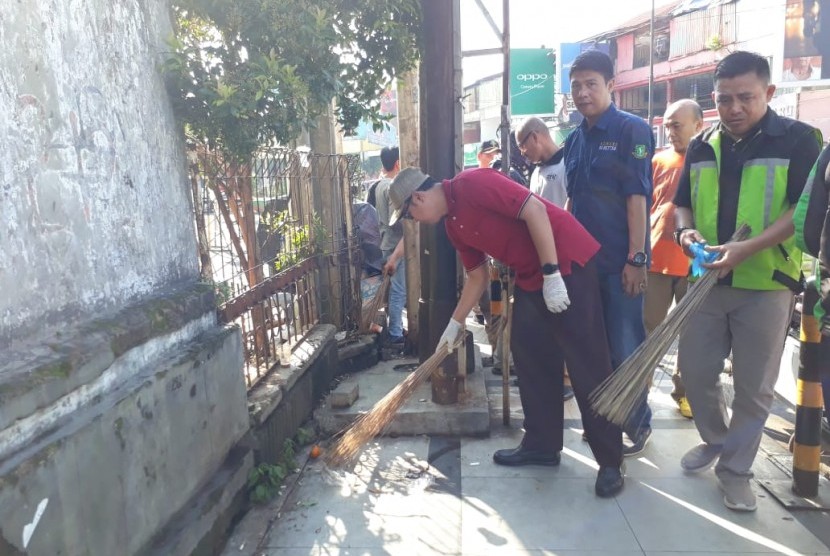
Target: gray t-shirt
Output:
[{"x": 389, "y": 237}]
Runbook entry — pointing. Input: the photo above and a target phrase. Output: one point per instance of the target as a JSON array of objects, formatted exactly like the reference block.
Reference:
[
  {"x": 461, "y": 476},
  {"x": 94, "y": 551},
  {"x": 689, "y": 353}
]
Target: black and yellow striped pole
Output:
[{"x": 809, "y": 402}]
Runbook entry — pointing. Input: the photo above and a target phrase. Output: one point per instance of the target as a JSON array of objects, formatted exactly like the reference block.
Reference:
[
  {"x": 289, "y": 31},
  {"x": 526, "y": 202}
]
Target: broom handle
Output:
[{"x": 505, "y": 353}]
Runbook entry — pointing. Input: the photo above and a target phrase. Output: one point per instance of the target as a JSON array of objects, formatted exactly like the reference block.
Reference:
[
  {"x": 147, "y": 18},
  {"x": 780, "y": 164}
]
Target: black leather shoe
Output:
[
  {"x": 609, "y": 481},
  {"x": 523, "y": 456}
]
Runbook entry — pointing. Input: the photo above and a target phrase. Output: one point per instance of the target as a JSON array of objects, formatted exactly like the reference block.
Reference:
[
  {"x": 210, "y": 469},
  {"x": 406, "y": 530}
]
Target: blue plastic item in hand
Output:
[{"x": 701, "y": 256}]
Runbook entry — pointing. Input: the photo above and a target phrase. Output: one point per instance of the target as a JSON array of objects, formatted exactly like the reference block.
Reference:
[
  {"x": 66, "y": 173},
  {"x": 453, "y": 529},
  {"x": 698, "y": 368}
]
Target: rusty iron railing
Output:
[{"x": 277, "y": 240}]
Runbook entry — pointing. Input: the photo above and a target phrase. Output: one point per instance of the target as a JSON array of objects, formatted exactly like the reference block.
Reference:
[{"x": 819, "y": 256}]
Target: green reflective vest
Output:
[{"x": 762, "y": 200}]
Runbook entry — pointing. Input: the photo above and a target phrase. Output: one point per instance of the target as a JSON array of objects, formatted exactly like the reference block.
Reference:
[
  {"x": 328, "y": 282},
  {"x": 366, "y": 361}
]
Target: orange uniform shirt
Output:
[{"x": 666, "y": 256}]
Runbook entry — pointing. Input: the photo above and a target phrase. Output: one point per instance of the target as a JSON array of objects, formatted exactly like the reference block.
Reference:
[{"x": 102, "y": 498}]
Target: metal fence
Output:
[{"x": 277, "y": 239}]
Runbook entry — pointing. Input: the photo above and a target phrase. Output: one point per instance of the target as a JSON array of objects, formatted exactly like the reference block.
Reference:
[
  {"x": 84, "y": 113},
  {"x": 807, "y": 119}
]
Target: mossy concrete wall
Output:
[{"x": 117, "y": 426}]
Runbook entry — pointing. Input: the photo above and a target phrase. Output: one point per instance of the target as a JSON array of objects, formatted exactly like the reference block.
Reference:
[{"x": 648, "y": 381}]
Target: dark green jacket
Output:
[{"x": 812, "y": 230}]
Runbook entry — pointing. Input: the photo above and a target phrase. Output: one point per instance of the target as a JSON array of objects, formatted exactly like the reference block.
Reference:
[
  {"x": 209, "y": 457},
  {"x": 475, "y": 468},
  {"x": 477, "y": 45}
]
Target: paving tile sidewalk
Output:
[{"x": 443, "y": 495}]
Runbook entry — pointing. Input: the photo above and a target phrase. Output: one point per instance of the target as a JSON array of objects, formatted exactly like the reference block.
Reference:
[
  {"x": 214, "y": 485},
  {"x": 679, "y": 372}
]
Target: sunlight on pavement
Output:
[{"x": 726, "y": 524}]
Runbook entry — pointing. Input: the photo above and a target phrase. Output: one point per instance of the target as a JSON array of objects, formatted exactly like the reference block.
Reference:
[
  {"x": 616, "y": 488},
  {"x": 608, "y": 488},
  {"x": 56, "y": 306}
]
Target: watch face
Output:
[{"x": 640, "y": 258}]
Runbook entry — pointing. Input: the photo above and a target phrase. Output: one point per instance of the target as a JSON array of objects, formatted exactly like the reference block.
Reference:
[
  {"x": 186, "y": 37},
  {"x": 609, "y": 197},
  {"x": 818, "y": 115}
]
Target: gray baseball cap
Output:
[{"x": 402, "y": 187}]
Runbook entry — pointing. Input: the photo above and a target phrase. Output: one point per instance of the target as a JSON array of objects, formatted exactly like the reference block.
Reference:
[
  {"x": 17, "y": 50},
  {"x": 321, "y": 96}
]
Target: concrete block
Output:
[
  {"x": 201, "y": 526},
  {"x": 419, "y": 414},
  {"x": 131, "y": 458},
  {"x": 344, "y": 395},
  {"x": 357, "y": 354}
]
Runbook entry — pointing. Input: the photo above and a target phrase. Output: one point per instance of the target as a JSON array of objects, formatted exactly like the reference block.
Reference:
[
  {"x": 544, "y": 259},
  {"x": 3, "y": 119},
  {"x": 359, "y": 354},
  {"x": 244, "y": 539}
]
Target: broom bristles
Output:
[
  {"x": 374, "y": 421},
  {"x": 370, "y": 311},
  {"x": 616, "y": 397}
]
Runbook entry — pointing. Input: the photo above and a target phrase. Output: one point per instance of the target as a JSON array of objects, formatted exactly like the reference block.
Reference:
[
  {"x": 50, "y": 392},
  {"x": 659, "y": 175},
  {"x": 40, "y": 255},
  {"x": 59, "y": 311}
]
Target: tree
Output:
[{"x": 248, "y": 73}]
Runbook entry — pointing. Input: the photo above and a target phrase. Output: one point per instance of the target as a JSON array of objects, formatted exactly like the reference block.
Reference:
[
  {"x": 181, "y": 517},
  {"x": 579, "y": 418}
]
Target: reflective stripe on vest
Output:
[{"x": 761, "y": 201}]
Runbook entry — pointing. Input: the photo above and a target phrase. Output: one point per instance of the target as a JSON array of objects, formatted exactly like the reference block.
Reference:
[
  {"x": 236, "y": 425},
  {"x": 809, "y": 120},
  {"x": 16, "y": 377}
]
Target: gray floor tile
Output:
[
  {"x": 725, "y": 553},
  {"x": 477, "y": 457},
  {"x": 559, "y": 552},
  {"x": 691, "y": 516},
  {"x": 505, "y": 515}
]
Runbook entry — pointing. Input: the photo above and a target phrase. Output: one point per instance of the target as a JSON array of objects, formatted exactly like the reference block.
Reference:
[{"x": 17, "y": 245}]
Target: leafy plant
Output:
[
  {"x": 264, "y": 481},
  {"x": 287, "y": 457},
  {"x": 304, "y": 436}
]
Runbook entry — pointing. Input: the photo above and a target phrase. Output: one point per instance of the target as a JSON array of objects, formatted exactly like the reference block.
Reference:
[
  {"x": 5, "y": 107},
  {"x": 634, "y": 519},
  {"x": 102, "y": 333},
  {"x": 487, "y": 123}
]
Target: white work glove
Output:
[
  {"x": 451, "y": 336},
  {"x": 555, "y": 292}
]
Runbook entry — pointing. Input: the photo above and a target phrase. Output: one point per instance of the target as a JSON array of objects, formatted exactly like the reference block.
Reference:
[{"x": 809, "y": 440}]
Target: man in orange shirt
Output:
[{"x": 669, "y": 265}]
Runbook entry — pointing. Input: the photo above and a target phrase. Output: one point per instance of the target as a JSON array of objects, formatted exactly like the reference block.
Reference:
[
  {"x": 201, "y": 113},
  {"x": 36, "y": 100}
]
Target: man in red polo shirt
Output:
[{"x": 557, "y": 305}]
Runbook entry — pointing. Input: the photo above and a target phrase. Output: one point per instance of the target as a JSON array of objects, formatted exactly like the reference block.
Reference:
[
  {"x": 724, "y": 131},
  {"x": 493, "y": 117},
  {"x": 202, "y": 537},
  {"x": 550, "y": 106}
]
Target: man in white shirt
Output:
[{"x": 537, "y": 146}]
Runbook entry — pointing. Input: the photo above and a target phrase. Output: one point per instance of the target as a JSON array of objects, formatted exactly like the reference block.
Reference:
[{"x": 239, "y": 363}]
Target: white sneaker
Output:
[
  {"x": 737, "y": 494},
  {"x": 700, "y": 458}
]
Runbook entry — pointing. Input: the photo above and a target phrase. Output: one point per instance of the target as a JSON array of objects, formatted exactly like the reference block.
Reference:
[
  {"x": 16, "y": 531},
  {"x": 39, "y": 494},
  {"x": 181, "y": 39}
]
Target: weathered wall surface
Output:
[
  {"x": 122, "y": 401},
  {"x": 93, "y": 191}
]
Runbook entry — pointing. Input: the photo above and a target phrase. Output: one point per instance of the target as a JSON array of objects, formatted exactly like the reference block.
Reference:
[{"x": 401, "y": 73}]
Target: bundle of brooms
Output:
[
  {"x": 370, "y": 311},
  {"x": 616, "y": 398},
  {"x": 374, "y": 422}
]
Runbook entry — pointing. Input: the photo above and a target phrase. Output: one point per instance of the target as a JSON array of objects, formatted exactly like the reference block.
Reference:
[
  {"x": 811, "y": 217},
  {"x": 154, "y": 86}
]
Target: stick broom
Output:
[{"x": 616, "y": 398}]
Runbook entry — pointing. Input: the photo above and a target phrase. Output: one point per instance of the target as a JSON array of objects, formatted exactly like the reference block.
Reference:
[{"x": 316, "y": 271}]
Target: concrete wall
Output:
[
  {"x": 93, "y": 192},
  {"x": 122, "y": 400},
  {"x": 104, "y": 468}
]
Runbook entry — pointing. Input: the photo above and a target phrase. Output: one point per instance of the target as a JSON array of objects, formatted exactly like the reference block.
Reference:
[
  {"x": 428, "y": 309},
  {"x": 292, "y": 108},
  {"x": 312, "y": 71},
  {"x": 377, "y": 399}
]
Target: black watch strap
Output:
[
  {"x": 678, "y": 232},
  {"x": 549, "y": 268}
]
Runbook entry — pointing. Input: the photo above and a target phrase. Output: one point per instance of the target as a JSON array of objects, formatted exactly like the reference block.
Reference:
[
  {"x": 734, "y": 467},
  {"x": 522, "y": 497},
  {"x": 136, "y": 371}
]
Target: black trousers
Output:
[{"x": 541, "y": 342}]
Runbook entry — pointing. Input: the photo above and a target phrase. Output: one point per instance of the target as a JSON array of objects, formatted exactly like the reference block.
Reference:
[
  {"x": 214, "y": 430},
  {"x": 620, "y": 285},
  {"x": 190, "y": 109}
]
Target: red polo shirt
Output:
[{"x": 483, "y": 219}]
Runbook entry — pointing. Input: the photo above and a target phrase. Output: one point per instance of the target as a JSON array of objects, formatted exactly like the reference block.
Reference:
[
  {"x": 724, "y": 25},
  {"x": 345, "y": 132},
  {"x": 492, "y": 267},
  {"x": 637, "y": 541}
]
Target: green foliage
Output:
[
  {"x": 288, "y": 454},
  {"x": 248, "y": 73},
  {"x": 265, "y": 479},
  {"x": 302, "y": 241},
  {"x": 304, "y": 436},
  {"x": 264, "y": 482}
]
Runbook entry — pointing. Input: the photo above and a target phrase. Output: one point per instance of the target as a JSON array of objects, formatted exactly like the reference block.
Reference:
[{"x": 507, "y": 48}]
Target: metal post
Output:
[
  {"x": 651, "y": 68},
  {"x": 505, "y": 168},
  {"x": 439, "y": 150},
  {"x": 804, "y": 491},
  {"x": 505, "y": 91},
  {"x": 809, "y": 402}
]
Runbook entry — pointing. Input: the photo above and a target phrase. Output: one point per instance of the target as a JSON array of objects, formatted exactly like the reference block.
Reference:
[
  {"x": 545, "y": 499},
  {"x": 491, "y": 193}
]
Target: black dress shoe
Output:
[
  {"x": 609, "y": 481},
  {"x": 523, "y": 456}
]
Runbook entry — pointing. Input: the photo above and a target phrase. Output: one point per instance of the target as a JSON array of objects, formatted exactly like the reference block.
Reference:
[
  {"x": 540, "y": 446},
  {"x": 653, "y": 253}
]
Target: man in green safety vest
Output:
[{"x": 750, "y": 168}]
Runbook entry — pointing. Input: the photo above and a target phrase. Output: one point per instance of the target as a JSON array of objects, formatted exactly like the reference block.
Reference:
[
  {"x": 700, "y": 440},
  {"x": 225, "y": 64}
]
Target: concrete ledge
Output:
[
  {"x": 357, "y": 354},
  {"x": 35, "y": 376},
  {"x": 282, "y": 401},
  {"x": 419, "y": 415},
  {"x": 201, "y": 526},
  {"x": 132, "y": 456}
]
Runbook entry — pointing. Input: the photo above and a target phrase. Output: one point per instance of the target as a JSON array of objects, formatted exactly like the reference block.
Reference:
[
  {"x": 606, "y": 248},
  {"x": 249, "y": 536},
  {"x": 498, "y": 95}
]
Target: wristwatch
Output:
[
  {"x": 678, "y": 232},
  {"x": 637, "y": 259},
  {"x": 549, "y": 268}
]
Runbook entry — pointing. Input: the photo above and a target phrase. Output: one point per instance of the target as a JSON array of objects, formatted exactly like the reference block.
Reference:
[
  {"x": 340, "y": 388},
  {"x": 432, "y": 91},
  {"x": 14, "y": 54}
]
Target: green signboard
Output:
[
  {"x": 531, "y": 81},
  {"x": 471, "y": 155}
]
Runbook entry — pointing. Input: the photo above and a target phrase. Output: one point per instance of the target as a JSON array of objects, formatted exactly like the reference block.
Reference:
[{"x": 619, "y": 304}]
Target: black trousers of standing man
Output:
[{"x": 541, "y": 341}]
